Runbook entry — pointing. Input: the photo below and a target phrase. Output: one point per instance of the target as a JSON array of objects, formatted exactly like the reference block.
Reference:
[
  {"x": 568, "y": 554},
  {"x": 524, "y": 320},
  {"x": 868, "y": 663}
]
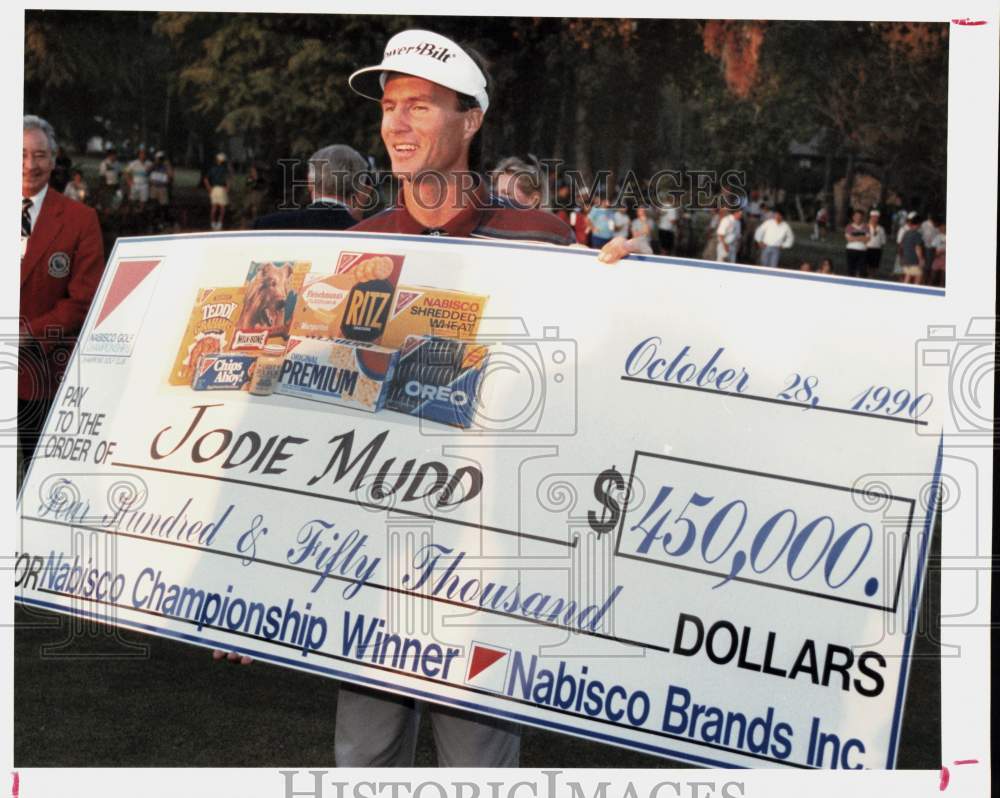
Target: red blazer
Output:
[{"x": 60, "y": 271}]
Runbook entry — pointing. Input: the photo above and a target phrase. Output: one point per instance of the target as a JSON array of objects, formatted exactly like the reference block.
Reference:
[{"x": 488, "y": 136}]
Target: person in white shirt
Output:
[
  {"x": 77, "y": 189},
  {"x": 928, "y": 232},
  {"x": 856, "y": 236},
  {"x": 621, "y": 222},
  {"x": 727, "y": 236},
  {"x": 772, "y": 236},
  {"x": 110, "y": 171},
  {"x": 642, "y": 232},
  {"x": 667, "y": 224},
  {"x": 876, "y": 240},
  {"x": 137, "y": 175}
]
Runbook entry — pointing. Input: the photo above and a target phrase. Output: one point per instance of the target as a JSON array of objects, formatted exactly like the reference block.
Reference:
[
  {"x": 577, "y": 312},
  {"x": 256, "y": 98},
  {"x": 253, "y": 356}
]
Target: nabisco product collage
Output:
[{"x": 355, "y": 338}]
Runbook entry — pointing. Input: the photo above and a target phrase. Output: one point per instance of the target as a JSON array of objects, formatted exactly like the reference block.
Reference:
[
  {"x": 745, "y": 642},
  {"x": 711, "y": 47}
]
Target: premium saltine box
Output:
[{"x": 350, "y": 373}]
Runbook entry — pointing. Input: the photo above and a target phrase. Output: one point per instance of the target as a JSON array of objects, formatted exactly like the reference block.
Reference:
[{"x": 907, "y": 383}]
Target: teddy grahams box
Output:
[
  {"x": 351, "y": 373},
  {"x": 419, "y": 310},
  {"x": 272, "y": 291},
  {"x": 210, "y": 329},
  {"x": 353, "y": 302}
]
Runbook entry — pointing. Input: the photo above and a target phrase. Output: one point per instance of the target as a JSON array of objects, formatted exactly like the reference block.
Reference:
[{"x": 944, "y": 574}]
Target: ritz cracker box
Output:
[{"x": 352, "y": 303}]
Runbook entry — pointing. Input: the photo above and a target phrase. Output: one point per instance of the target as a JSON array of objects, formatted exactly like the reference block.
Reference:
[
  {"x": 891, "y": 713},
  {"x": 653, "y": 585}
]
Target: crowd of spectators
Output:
[{"x": 137, "y": 196}]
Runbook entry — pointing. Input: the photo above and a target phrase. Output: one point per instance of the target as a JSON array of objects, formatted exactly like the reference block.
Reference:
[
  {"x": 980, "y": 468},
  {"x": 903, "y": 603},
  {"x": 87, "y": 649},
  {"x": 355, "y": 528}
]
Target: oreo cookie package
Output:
[{"x": 438, "y": 379}]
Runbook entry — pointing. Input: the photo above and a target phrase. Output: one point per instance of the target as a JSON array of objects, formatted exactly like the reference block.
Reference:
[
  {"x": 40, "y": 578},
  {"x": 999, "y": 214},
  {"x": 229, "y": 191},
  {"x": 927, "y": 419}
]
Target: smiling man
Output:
[
  {"x": 434, "y": 96},
  {"x": 62, "y": 257}
]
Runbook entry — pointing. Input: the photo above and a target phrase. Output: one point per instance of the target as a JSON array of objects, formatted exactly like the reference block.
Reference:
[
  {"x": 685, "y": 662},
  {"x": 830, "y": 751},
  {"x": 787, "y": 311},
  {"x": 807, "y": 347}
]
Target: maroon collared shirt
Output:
[{"x": 490, "y": 218}]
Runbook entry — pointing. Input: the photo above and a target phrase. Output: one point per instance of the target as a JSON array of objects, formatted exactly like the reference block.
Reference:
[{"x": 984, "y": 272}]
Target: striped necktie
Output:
[{"x": 25, "y": 217}]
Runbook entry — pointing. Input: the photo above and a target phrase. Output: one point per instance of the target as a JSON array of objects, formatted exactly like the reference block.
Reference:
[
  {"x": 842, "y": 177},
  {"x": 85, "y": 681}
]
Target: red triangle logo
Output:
[
  {"x": 346, "y": 261},
  {"x": 127, "y": 277},
  {"x": 482, "y": 658},
  {"x": 403, "y": 300}
]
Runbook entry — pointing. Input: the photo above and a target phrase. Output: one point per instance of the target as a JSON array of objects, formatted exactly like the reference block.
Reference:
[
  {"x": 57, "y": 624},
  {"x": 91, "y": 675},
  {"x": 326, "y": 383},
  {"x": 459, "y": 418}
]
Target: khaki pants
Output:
[{"x": 376, "y": 729}]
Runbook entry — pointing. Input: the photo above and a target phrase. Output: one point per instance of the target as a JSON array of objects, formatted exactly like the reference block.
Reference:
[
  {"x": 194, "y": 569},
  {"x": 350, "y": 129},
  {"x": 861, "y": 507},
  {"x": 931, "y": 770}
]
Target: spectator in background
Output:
[
  {"x": 751, "y": 222},
  {"x": 161, "y": 181},
  {"x": 216, "y": 182},
  {"x": 727, "y": 236},
  {"x": 622, "y": 222},
  {"x": 579, "y": 222},
  {"x": 711, "y": 243},
  {"x": 256, "y": 188},
  {"x": 897, "y": 267},
  {"x": 774, "y": 235},
  {"x": 899, "y": 223},
  {"x": 856, "y": 234},
  {"x": 876, "y": 241},
  {"x": 520, "y": 182},
  {"x": 339, "y": 191},
  {"x": 602, "y": 223},
  {"x": 642, "y": 229},
  {"x": 137, "y": 177},
  {"x": 821, "y": 224},
  {"x": 564, "y": 204},
  {"x": 939, "y": 247},
  {"x": 61, "y": 172},
  {"x": 911, "y": 251},
  {"x": 110, "y": 171},
  {"x": 77, "y": 189},
  {"x": 805, "y": 266},
  {"x": 667, "y": 225},
  {"x": 825, "y": 266},
  {"x": 928, "y": 231}
]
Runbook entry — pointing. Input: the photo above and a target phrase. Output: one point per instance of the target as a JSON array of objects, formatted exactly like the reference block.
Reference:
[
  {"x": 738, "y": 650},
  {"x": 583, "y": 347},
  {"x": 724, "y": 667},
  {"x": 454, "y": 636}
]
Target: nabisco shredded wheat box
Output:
[{"x": 419, "y": 310}]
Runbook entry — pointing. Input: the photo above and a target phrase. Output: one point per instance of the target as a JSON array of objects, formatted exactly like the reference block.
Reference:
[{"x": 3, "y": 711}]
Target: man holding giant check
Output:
[{"x": 446, "y": 463}]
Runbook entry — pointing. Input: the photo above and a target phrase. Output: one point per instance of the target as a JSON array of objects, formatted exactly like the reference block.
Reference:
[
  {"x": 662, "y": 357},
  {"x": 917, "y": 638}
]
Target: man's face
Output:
[
  {"x": 36, "y": 162},
  {"x": 422, "y": 128}
]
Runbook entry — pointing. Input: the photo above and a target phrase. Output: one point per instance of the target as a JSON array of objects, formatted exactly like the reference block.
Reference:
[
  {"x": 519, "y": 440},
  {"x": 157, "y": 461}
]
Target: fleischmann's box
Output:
[
  {"x": 351, "y": 373},
  {"x": 444, "y": 313},
  {"x": 351, "y": 303}
]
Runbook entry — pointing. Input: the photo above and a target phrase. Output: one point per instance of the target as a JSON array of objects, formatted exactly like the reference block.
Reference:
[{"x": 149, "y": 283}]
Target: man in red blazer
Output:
[{"x": 62, "y": 258}]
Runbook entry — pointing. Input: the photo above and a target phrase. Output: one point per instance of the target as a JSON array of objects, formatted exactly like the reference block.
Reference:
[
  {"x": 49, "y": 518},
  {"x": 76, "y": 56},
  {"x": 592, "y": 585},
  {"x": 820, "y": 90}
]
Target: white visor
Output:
[{"x": 426, "y": 55}]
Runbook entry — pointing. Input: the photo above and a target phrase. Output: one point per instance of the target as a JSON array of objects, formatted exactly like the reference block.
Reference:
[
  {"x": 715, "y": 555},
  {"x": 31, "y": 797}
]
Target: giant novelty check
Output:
[{"x": 677, "y": 506}]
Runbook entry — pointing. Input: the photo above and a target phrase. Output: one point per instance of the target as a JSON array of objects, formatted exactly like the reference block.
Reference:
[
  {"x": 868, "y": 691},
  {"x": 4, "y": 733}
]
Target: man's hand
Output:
[
  {"x": 616, "y": 249},
  {"x": 232, "y": 656}
]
